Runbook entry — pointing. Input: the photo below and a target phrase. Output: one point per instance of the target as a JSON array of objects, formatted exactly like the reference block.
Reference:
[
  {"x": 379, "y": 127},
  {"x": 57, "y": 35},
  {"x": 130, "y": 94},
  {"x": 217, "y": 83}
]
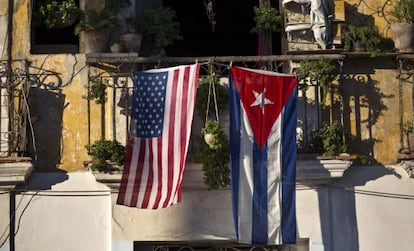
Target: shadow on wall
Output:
[
  {"x": 363, "y": 104},
  {"x": 46, "y": 109},
  {"x": 338, "y": 209}
]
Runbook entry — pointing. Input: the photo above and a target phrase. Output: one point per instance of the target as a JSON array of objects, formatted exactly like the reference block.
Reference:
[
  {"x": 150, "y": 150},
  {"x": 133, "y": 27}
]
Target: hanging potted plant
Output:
[
  {"x": 402, "y": 26},
  {"x": 213, "y": 134},
  {"x": 213, "y": 153},
  {"x": 212, "y": 148},
  {"x": 56, "y": 14}
]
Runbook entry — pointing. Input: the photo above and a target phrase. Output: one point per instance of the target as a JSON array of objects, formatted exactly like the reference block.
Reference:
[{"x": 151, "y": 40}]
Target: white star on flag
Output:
[{"x": 261, "y": 100}]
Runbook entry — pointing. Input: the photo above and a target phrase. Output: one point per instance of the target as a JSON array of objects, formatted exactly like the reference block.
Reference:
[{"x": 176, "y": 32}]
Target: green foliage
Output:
[
  {"x": 322, "y": 71},
  {"x": 203, "y": 92},
  {"x": 369, "y": 37},
  {"x": 102, "y": 21},
  {"x": 97, "y": 92},
  {"x": 213, "y": 127},
  {"x": 161, "y": 27},
  {"x": 56, "y": 14},
  {"x": 267, "y": 19},
  {"x": 328, "y": 140},
  {"x": 104, "y": 150},
  {"x": 403, "y": 11},
  {"x": 215, "y": 158}
]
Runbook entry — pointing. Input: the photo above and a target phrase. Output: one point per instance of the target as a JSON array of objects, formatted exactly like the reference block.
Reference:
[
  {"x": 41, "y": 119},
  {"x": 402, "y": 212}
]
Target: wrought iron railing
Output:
[{"x": 14, "y": 107}]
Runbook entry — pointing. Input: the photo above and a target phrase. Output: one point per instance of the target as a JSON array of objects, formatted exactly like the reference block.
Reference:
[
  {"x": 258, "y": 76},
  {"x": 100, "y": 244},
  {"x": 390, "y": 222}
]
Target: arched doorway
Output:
[{"x": 231, "y": 35}]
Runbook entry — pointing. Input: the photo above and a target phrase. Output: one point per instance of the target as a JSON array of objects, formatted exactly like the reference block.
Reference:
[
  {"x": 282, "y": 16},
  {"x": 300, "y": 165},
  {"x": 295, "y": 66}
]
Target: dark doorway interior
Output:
[{"x": 231, "y": 35}]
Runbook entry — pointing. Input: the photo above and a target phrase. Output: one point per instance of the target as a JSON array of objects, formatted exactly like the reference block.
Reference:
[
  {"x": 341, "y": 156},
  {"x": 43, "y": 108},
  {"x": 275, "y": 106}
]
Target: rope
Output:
[{"x": 212, "y": 88}]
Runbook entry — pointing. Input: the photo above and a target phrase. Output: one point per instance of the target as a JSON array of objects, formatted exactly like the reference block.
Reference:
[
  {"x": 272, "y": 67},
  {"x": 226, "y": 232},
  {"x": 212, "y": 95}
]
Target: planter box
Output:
[{"x": 321, "y": 170}]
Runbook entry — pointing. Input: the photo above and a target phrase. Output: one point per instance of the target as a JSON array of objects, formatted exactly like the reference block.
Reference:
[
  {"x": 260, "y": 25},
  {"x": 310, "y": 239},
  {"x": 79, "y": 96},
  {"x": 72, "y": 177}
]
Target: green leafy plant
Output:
[
  {"x": 103, "y": 21},
  {"x": 97, "y": 92},
  {"x": 161, "y": 27},
  {"x": 368, "y": 36},
  {"x": 56, "y": 14},
  {"x": 403, "y": 11},
  {"x": 328, "y": 140},
  {"x": 214, "y": 157},
  {"x": 322, "y": 71},
  {"x": 213, "y": 128},
  {"x": 103, "y": 151},
  {"x": 212, "y": 149},
  {"x": 267, "y": 19}
]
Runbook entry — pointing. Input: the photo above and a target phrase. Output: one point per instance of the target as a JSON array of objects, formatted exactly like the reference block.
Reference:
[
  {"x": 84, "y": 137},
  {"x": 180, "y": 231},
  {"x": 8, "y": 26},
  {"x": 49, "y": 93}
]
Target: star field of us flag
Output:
[
  {"x": 161, "y": 119},
  {"x": 263, "y": 113}
]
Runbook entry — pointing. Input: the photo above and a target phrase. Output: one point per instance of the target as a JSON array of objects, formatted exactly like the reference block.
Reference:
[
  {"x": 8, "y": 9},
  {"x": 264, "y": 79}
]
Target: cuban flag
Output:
[
  {"x": 263, "y": 112},
  {"x": 162, "y": 114}
]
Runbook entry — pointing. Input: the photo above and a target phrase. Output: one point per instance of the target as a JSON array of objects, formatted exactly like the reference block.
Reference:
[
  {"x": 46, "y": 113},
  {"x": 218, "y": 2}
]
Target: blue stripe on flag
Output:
[
  {"x": 259, "y": 220},
  {"x": 288, "y": 212},
  {"x": 234, "y": 104}
]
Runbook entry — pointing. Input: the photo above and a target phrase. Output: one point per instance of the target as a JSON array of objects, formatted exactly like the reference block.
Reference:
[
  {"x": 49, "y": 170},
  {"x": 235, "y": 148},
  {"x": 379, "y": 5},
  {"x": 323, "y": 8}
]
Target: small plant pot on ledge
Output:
[
  {"x": 403, "y": 36},
  {"x": 314, "y": 169},
  {"x": 111, "y": 176},
  {"x": 95, "y": 42},
  {"x": 131, "y": 42}
]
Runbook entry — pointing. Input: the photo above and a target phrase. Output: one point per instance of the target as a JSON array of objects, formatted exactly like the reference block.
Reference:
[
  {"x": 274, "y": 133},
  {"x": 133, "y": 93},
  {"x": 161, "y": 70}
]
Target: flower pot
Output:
[
  {"x": 95, "y": 41},
  {"x": 208, "y": 138},
  {"x": 116, "y": 48},
  {"x": 403, "y": 36},
  {"x": 357, "y": 46},
  {"x": 63, "y": 23},
  {"x": 131, "y": 42}
]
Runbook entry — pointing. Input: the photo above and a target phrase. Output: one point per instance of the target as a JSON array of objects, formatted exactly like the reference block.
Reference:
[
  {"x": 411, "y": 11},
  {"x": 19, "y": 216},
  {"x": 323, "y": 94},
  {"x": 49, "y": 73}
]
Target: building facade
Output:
[{"x": 51, "y": 200}]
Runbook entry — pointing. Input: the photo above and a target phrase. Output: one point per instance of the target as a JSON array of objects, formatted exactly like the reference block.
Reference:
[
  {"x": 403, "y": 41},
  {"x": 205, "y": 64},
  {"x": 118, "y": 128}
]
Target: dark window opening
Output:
[
  {"x": 232, "y": 34},
  {"x": 46, "y": 40}
]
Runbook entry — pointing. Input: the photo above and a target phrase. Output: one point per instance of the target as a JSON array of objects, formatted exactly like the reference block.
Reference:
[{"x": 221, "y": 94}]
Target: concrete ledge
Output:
[
  {"x": 308, "y": 170},
  {"x": 408, "y": 165},
  {"x": 14, "y": 171},
  {"x": 192, "y": 178},
  {"x": 321, "y": 171}
]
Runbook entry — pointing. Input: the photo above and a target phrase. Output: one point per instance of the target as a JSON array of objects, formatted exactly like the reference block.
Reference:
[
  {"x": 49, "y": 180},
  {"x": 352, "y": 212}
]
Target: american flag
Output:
[{"x": 162, "y": 114}]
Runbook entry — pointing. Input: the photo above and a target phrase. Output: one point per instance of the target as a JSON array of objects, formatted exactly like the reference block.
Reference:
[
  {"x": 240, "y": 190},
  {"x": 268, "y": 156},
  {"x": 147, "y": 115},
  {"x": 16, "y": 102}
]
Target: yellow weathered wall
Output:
[
  {"x": 370, "y": 10},
  {"x": 386, "y": 130},
  {"x": 72, "y": 78},
  {"x": 373, "y": 101}
]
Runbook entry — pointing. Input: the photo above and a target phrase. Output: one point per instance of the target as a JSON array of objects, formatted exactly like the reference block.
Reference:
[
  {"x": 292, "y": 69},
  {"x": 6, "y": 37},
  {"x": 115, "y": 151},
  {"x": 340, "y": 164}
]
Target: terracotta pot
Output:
[
  {"x": 403, "y": 36},
  {"x": 116, "y": 48},
  {"x": 95, "y": 42},
  {"x": 131, "y": 42}
]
